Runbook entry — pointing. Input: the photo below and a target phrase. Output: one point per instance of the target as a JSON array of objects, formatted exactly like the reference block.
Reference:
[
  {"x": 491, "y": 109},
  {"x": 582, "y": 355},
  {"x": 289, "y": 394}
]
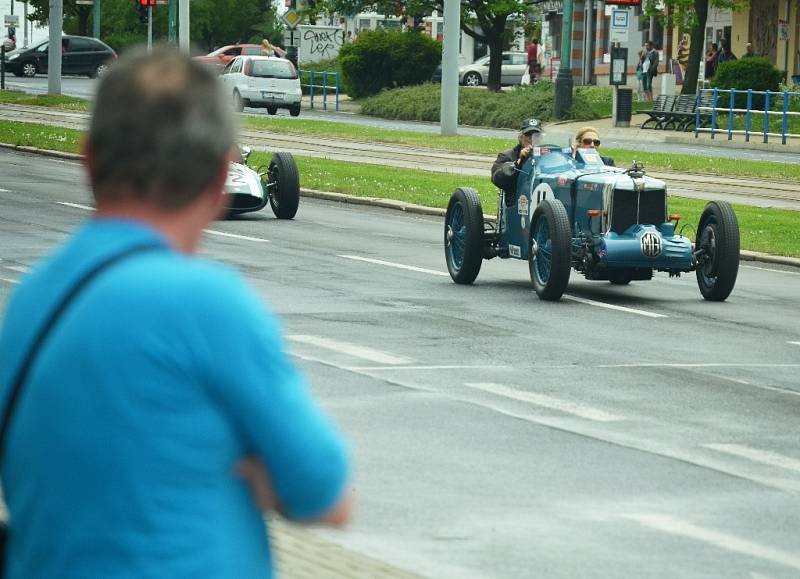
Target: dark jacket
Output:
[{"x": 506, "y": 180}]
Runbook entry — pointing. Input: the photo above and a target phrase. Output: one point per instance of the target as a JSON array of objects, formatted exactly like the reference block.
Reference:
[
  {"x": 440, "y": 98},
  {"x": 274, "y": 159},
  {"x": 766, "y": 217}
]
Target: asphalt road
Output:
[
  {"x": 84, "y": 88},
  {"x": 631, "y": 431}
]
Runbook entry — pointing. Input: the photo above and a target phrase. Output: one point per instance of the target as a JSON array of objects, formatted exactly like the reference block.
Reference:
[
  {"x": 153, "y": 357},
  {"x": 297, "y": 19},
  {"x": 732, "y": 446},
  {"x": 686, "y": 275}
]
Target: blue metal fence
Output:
[
  {"x": 325, "y": 86},
  {"x": 723, "y": 102}
]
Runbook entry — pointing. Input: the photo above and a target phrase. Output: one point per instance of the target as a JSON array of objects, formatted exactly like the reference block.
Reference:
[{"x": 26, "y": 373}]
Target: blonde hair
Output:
[{"x": 582, "y": 131}]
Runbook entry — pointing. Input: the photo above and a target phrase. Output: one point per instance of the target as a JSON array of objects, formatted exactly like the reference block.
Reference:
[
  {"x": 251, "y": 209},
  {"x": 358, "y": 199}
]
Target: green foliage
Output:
[
  {"x": 386, "y": 58},
  {"x": 747, "y": 73},
  {"x": 506, "y": 109}
]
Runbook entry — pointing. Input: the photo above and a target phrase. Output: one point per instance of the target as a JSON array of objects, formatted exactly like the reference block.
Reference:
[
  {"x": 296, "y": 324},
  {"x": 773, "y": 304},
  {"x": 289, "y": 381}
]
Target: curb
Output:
[{"x": 744, "y": 255}]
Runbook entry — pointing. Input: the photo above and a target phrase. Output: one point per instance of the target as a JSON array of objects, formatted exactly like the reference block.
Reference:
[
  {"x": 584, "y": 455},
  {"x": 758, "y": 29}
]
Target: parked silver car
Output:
[{"x": 514, "y": 66}]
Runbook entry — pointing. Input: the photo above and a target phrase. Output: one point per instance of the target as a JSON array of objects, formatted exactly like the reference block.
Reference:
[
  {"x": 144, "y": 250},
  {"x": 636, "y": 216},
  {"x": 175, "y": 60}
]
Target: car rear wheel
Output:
[
  {"x": 549, "y": 254},
  {"x": 272, "y": 110},
  {"x": 472, "y": 79},
  {"x": 29, "y": 69},
  {"x": 463, "y": 235},
  {"x": 238, "y": 102},
  {"x": 295, "y": 111},
  {"x": 717, "y": 245},
  {"x": 284, "y": 186}
]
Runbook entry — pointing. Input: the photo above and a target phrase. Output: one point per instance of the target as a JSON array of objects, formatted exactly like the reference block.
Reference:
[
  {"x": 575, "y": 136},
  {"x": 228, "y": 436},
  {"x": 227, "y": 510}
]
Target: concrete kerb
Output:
[{"x": 396, "y": 205}]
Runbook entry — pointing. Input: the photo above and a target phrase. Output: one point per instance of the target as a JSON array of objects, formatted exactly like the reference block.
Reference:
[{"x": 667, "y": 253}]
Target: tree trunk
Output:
[
  {"x": 83, "y": 21},
  {"x": 696, "y": 49},
  {"x": 495, "y": 37}
]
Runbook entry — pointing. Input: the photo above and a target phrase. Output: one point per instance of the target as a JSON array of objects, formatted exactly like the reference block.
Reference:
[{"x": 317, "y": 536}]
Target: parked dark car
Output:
[{"x": 80, "y": 55}]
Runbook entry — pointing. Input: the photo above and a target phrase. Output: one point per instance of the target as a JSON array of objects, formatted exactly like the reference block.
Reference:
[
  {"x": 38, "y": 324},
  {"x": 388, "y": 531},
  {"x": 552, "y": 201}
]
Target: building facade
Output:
[{"x": 26, "y": 32}]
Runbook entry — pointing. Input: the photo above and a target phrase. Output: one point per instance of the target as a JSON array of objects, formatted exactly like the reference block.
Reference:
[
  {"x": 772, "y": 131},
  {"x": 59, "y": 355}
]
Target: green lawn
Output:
[
  {"x": 58, "y": 101},
  {"x": 773, "y": 231}
]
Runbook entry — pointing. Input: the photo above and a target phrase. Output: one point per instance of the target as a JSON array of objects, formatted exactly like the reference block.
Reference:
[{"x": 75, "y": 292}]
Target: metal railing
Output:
[
  {"x": 773, "y": 110},
  {"x": 325, "y": 87}
]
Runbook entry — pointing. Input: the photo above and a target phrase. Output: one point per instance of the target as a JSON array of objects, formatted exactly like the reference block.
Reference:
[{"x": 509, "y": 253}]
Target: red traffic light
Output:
[{"x": 147, "y": 2}]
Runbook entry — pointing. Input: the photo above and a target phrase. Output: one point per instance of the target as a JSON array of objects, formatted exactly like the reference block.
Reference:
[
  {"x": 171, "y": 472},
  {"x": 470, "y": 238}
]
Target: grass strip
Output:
[
  {"x": 773, "y": 231},
  {"x": 16, "y": 97}
]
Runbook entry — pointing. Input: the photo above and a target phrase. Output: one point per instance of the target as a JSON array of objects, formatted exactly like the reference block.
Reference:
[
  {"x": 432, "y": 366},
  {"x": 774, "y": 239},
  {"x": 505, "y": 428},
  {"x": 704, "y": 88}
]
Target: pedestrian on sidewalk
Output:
[
  {"x": 650, "y": 69},
  {"x": 535, "y": 60},
  {"x": 711, "y": 61},
  {"x": 161, "y": 417},
  {"x": 640, "y": 76}
]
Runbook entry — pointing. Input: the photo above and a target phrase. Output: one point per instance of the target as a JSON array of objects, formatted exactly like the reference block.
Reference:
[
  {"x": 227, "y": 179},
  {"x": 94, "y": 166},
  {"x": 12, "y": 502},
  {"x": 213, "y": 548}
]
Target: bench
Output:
[
  {"x": 682, "y": 112},
  {"x": 662, "y": 106}
]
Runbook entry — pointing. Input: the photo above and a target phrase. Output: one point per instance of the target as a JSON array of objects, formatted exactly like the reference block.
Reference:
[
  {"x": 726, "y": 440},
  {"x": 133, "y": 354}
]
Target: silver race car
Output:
[{"x": 250, "y": 189}]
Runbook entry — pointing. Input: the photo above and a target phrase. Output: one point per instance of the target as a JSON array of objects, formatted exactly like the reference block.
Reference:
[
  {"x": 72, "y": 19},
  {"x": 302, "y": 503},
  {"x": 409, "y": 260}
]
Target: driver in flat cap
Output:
[{"x": 504, "y": 170}]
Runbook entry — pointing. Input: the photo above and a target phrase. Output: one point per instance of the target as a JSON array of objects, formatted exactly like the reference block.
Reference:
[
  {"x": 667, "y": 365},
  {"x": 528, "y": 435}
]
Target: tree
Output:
[
  {"x": 492, "y": 17},
  {"x": 689, "y": 15}
]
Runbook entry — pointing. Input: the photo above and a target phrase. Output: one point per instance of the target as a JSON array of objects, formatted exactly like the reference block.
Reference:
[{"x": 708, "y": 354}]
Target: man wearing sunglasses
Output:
[
  {"x": 508, "y": 163},
  {"x": 589, "y": 138}
]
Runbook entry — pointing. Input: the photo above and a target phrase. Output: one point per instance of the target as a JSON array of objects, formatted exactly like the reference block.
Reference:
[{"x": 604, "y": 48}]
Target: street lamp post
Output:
[
  {"x": 96, "y": 19},
  {"x": 449, "y": 99},
  {"x": 183, "y": 26},
  {"x": 56, "y": 21},
  {"x": 563, "y": 99}
]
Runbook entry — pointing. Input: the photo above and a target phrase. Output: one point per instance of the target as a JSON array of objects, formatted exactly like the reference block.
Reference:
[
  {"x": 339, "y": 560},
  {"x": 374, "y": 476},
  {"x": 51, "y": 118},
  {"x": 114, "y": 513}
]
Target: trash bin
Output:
[{"x": 624, "y": 107}]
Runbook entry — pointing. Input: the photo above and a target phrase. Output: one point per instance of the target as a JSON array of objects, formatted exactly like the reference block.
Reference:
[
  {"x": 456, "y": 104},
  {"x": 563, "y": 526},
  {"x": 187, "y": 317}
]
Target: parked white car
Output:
[
  {"x": 514, "y": 66},
  {"x": 263, "y": 81}
]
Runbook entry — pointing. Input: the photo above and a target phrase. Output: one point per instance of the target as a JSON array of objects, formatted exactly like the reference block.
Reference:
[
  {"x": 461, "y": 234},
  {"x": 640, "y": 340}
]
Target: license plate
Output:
[{"x": 276, "y": 96}]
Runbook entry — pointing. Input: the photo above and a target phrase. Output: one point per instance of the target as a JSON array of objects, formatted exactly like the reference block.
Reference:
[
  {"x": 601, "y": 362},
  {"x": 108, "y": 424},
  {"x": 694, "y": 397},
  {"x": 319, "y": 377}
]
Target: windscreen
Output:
[{"x": 272, "y": 69}]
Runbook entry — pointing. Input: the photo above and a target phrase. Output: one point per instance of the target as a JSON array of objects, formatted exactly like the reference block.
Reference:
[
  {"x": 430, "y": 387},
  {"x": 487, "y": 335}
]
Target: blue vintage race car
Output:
[{"x": 607, "y": 223}]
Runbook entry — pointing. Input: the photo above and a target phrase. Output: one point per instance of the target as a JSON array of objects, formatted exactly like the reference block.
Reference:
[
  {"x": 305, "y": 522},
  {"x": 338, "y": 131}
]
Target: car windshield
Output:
[
  {"x": 483, "y": 60},
  {"x": 218, "y": 51},
  {"x": 273, "y": 69}
]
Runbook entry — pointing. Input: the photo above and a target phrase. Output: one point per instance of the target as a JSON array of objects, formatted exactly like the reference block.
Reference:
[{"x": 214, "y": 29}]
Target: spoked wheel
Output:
[
  {"x": 549, "y": 257},
  {"x": 472, "y": 79},
  {"x": 463, "y": 235},
  {"x": 717, "y": 245},
  {"x": 284, "y": 186},
  {"x": 29, "y": 69}
]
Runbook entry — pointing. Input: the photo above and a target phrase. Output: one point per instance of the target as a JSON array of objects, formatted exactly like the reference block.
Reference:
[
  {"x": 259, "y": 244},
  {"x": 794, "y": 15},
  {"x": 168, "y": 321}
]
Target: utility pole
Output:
[
  {"x": 56, "y": 20},
  {"x": 183, "y": 26},
  {"x": 449, "y": 101},
  {"x": 172, "y": 21},
  {"x": 149, "y": 28},
  {"x": 25, "y": 26},
  {"x": 563, "y": 100},
  {"x": 96, "y": 19}
]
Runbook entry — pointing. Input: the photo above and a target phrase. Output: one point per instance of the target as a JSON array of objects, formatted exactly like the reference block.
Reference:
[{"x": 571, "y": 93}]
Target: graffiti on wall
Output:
[{"x": 320, "y": 42}]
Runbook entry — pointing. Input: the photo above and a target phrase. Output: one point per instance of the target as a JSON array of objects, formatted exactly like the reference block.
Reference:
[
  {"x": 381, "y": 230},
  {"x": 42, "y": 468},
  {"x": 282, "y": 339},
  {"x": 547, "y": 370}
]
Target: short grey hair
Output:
[{"x": 160, "y": 129}]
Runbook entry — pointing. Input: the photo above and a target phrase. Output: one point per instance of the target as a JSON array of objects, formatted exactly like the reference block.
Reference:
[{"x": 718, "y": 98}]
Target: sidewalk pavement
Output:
[{"x": 300, "y": 554}]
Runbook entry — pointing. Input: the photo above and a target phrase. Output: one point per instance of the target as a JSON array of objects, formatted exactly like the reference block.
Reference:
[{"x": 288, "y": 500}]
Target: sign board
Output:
[
  {"x": 783, "y": 30},
  {"x": 87, "y": 2},
  {"x": 623, "y": 2},
  {"x": 319, "y": 42},
  {"x": 555, "y": 64},
  {"x": 291, "y": 18},
  {"x": 620, "y": 22},
  {"x": 12, "y": 19},
  {"x": 291, "y": 37}
]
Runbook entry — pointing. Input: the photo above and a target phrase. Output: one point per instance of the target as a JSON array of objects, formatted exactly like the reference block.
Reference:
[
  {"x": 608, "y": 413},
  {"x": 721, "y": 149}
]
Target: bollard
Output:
[
  {"x": 3, "y": 67},
  {"x": 311, "y": 88},
  {"x": 337, "y": 91},
  {"x": 325, "y": 90},
  {"x": 747, "y": 115}
]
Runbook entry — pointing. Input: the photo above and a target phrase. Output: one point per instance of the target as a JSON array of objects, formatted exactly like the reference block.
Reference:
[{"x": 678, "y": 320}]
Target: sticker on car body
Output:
[
  {"x": 522, "y": 205},
  {"x": 514, "y": 251},
  {"x": 542, "y": 191}
]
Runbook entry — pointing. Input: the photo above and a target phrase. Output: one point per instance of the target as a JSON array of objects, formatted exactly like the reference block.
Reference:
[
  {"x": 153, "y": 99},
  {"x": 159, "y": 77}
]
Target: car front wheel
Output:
[
  {"x": 29, "y": 69},
  {"x": 99, "y": 71},
  {"x": 549, "y": 251},
  {"x": 284, "y": 186},
  {"x": 463, "y": 235},
  {"x": 717, "y": 248},
  {"x": 238, "y": 102},
  {"x": 472, "y": 79}
]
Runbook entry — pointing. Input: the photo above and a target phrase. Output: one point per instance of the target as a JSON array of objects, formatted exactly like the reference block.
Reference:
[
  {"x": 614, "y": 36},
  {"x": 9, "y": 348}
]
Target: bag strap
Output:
[{"x": 22, "y": 374}]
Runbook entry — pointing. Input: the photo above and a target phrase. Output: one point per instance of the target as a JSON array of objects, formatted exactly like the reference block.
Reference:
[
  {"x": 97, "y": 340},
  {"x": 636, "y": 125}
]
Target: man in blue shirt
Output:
[{"x": 161, "y": 418}]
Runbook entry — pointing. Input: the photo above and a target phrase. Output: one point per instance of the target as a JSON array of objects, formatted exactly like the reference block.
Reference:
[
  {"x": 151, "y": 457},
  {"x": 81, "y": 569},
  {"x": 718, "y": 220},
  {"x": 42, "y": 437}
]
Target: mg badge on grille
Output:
[{"x": 651, "y": 244}]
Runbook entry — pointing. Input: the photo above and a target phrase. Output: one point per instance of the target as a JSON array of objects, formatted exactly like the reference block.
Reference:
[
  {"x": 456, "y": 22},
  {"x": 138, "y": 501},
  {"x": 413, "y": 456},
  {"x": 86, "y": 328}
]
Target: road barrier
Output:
[
  {"x": 774, "y": 111},
  {"x": 325, "y": 86}
]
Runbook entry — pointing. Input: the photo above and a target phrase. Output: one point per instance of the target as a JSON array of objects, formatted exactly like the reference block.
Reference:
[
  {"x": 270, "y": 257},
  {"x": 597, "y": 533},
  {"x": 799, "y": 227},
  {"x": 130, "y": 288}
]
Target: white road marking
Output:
[
  {"x": 613, "y": 307},
  {"x": 545, "y": 401},
  {"x": 397, "y": 265},
  {"x": 76, "y": 205},
  {"x": 350, "y": 349},
  {"x": 18, "y": 268},
  {"x": 756, "y": 455},
  {"x": 8, "y": 280},
  {"x": 696, "y": 365},
  {"x": 440, "y": 367},
  {"x": 4, "y": 191},
  {"x": 210, "y": 231},
  {"x": 770, "y": 269},
  {"x": 732, "y": 543},
  {"x": 236, "y": 236},
  {"x": 795, "y": 343}
]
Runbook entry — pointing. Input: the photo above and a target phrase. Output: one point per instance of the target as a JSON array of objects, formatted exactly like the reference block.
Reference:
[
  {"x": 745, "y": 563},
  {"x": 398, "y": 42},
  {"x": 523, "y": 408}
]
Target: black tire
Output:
[
  {"x": 295, "y": 111},
  {"x": 718, "y": 238},
  {"x": 549, "y": 250},
  {"x": 463, "y": 235},
  {"x": 472, "y": 79},
  {"x": 238, "y": 102},
  {"x": 620, "y": 276},
  {"x": 99, "y": 70},
  {"x": 29, "y": 69},
  {"x": 284, "y": 190},
  {"x": 272, "y": 110}
]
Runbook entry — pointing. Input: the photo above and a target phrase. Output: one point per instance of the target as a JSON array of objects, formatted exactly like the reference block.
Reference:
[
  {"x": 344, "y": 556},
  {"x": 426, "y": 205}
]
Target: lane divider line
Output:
[
  {"x": 434, "y": 367},
  {"x": 349, "y": 349},
  {"x": 614, "y": 307},
  {"x": 209, "y": 231},
  {"x": 545, "y": 401},
  {"x": 756, "y": 455},
  {"x": 396, "y": 265},
  {"x": 773, "y": 270},
  {"x": 674, "y": 526},
  {"x": 9, "y": 280},
  {"x": 794, "y": 343}
]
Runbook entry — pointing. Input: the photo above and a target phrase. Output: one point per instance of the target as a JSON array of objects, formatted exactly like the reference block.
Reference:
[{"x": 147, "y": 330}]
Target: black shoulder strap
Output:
[{"x": 48, "y": 326}]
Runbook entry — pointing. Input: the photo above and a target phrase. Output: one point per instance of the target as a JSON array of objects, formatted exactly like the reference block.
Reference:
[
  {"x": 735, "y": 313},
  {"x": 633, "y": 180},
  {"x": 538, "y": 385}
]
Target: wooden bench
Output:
[
  {"x": 682, "y": 112},
  {"x": 661, "y": 107}
]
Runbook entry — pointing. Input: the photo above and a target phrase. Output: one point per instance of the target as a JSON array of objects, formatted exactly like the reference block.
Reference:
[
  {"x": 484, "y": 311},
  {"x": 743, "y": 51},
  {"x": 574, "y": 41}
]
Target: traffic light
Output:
[
  {"x": 146, "y": 3},
  {"x": 142, "y": 8}
]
